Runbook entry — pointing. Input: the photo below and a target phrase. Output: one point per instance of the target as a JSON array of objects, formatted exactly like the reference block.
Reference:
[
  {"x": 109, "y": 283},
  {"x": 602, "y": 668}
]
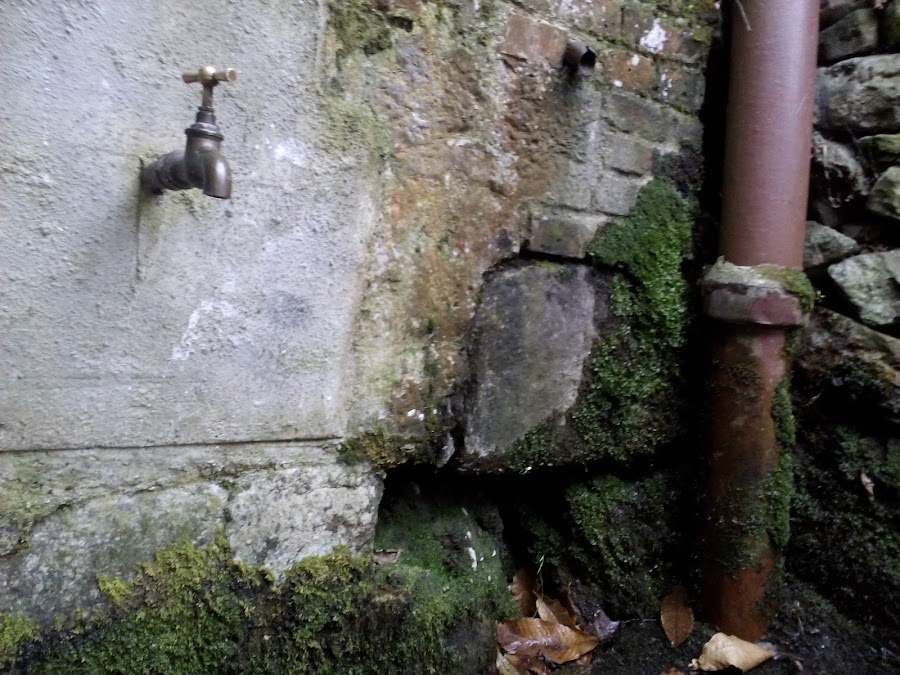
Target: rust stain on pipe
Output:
[{"x": 766, "y": 178}]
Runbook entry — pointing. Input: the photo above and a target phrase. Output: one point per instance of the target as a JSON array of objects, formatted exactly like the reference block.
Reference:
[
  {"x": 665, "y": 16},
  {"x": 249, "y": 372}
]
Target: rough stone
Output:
[
  {"x": 124, "y": 504},
  {"x": 562, "y": 233},
  {"x": 530, "y": 39},
  {"x": 532, "y": 333},
  {"x": 681, "y": 86},
  {"x": 882, "y": 150},
  {"x": 885, "y": 196},
  {"x": 825, "y": 245},
  {"x": 859, "y": 95},
  {"x": 279, "y": 517},
  {"x": 628, "y": 154},
  {"x": 851, "y": 358},
  {"x": 616, "y": 194},
  {"x": 647, "y": 31},
  {"x": 626, "y": 69},
  {"x": 107, "y": 536},
  {"x": 872, "y": 283},
  {"x": 834, "y": 10},
  {"x": 853, "y": 35},
  {"x": 890, "y": 26},
  {"x": 836, "y": 171}
]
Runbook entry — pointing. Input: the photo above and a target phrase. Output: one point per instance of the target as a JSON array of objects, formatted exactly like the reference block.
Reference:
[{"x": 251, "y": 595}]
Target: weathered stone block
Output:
[
  {"x": 837, "y": 171},
  {"x": 624, "y": 68},
  {"x": 872, "y": 283},
  {"x": 563, "y": 233},
  {"x": 628, "y": 154},
  {"x": 637, "y": 115},
  {"x": 882, "y": 150},
  {"x": 107, "y": 536},
  {"x": 279, "y": 517},
  {"x": 854, "y": 359},
  {"x": 834, "y": 10},
  {"x": 682, "y": 87},
  {"x": 885, "y": 196},
  {"x": 890, "y": 26},
  {"x": 825, "y": 245},
  {"x": 616, "y": 194},
  {"x": 859, "y": 95},
  {"x": 533, "y": 40},
  {"x": 533, "y": 332},
  {"x": 602, "y": 18},
  {"x": 854, "y": 35},
  {"x": 651, "y": 33}
]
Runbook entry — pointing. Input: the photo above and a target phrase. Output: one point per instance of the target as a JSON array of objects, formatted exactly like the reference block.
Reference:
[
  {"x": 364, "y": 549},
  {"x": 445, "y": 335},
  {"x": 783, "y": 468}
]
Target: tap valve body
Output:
[{"x": 201, "y": 163}]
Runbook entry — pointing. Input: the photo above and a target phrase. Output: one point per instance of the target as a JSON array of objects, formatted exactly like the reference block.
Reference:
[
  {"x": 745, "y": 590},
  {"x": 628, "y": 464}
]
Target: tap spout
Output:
[{"x": 200, "y": 165}]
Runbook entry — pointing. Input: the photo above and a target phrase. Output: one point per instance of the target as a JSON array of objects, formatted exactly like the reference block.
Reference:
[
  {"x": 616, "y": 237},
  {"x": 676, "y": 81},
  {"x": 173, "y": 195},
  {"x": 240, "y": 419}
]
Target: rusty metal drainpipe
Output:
[{"x": 749, "y": 294}]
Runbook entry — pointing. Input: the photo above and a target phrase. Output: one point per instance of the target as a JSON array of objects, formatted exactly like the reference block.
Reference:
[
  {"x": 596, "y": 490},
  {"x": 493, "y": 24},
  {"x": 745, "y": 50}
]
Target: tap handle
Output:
[{"x": 209, "y": 76}]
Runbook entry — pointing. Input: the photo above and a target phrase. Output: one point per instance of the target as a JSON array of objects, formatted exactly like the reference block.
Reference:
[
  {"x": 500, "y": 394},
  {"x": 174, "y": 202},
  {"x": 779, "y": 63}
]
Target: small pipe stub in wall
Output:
[
  {"x": 201, "y": 164},
  {"x": 580, "y": 59}
]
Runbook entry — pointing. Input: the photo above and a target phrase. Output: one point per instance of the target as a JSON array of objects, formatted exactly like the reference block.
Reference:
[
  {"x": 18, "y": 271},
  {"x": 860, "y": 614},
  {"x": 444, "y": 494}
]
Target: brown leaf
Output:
[
  {"x": 676, "y": 615},
  {"x": 552, "y": 611},
  {"x": 524, "y": 591},
  {"x": 674, "y": 670},
  {"x": 723, "y": 651},
  {"x": 554, "y": 641}
]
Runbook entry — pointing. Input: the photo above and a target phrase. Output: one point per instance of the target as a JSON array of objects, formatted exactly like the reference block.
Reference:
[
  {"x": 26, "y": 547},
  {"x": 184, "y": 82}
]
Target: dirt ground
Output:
[{"x": 818, "y": 640}]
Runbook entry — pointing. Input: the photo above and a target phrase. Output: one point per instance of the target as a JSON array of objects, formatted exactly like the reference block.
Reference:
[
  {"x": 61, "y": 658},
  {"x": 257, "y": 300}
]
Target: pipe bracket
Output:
[{"x": 764, "y": 295}]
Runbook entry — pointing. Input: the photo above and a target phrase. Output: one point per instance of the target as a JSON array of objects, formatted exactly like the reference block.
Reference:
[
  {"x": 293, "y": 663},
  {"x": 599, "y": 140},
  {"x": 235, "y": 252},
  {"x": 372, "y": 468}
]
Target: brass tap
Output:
[{"x": 200, "y": 164}]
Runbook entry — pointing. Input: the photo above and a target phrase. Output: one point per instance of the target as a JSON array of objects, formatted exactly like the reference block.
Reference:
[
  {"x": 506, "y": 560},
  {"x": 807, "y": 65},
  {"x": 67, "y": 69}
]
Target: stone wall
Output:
[
  {"x": 848, "y": 366},
  {"x": 177, "y": 365}
]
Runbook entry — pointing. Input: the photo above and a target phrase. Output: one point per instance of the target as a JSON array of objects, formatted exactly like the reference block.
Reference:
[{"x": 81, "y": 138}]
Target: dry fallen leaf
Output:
[
  {"x": 723, "y": 651},
  {"x": 868, "y": 484},
  {"x": 676, "y": 615},
  {"x": 524, "y": 591},
  {"x": 554, "y": 641},
  {"x": 674, "y": 670},
  {"x": 552, "y": 611}
]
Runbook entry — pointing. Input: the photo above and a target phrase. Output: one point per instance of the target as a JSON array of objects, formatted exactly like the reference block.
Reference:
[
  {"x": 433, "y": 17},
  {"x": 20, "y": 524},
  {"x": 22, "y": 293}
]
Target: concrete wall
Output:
[
  {"x": 138, "y": 321},
  {"x": 171, "y": 365}
]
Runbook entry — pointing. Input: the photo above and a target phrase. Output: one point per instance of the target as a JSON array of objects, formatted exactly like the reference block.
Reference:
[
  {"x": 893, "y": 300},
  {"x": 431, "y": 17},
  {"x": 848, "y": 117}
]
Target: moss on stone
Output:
[
  {"x": 631, "y": 394},
  {"x": 844, "y": 539},
  {"x": 15, "y": 631},
  {"x": 623, "y": 544},
  {"x": 358, "y": 26},
  {"x": 197, "y": 610},
  {"x": 384, "y": 450}
]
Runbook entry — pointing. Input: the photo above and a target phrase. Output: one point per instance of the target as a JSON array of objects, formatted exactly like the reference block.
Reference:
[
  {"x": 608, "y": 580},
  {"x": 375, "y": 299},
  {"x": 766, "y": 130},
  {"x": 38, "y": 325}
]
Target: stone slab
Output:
[
  {"x": 134, "y": 320},
  {"x": 532, "y": 333}
]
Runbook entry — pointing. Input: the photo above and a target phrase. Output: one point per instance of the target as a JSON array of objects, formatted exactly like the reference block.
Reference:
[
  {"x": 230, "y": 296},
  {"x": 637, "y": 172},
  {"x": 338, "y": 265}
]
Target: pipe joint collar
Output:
[{"x": 764, "y": 295}]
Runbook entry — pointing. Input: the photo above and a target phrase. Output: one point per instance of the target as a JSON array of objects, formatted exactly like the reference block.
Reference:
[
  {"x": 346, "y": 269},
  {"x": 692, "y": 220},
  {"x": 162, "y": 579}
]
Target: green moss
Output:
[
  {"x": 358, "y": 26},
  {"x": 621, "y": 529},
  {"x": 631, "y": 395},
  {"x": 385, "y": 451},
  {"x": 197, "y": 610},
  {"x": 845, "y": 540},
  {"x": 15, "y": 630},
  {"x": 794, "y": 282}
]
